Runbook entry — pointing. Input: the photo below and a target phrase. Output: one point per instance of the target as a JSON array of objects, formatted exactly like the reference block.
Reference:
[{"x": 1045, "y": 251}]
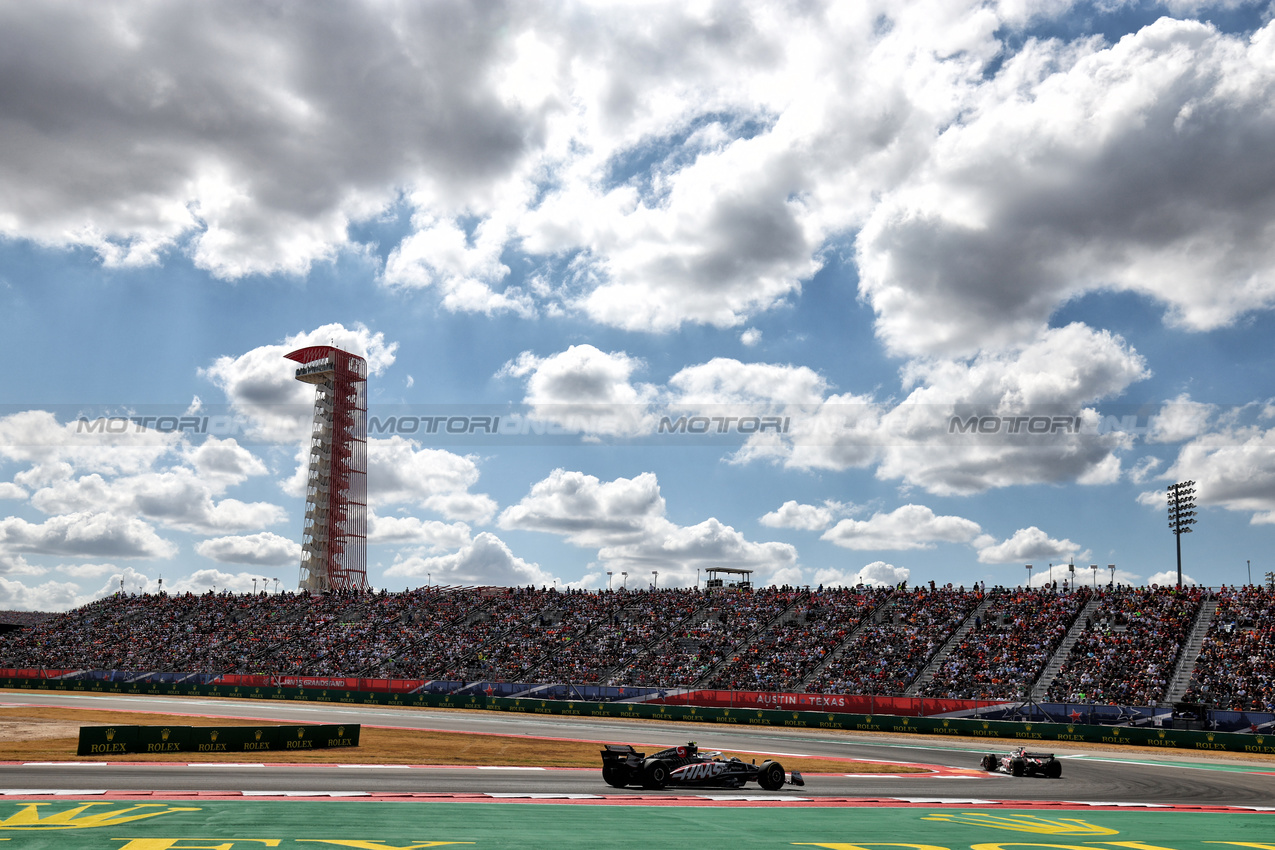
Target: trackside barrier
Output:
[
  {"x": 112, "y": 740},
  {"x": 1028, "y": 733}
]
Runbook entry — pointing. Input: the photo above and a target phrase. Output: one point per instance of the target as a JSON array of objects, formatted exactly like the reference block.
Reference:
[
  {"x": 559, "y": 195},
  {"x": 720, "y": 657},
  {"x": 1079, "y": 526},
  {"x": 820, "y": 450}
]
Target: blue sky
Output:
[{"x": 864, "y": 219}]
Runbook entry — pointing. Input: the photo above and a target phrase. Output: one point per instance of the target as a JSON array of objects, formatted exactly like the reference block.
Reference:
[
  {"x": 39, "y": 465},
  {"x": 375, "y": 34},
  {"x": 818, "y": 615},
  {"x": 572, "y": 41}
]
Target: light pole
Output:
[
  {"x": 254, "y": 587},
  {"x": 697, "y": 578},
  {"x": 655, "y": 585},
  {"x": 624, "y": 579},
  {"x": 1250, "y": 571},
  {"x": 1094, "y": 567},
  {"x": 1029, "y": 576},
  {"x": 1181, "y": 515},
  {"x": 429, "y": 579},
  {"x": 1112, "y": 567},
  {"x": 608, "y": 581},
  {"x": 1050, "y": 581}
]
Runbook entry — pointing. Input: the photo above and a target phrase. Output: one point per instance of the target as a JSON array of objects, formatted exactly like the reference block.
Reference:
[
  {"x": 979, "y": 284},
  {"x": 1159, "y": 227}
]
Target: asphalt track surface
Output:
[{"x": 1090, "y": 776}]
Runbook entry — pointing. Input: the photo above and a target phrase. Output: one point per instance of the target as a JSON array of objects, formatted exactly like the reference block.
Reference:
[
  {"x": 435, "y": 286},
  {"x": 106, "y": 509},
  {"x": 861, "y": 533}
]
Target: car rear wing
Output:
[
  {"x": 620, "y": 752},
  {"x": 1037, "y": 755}
]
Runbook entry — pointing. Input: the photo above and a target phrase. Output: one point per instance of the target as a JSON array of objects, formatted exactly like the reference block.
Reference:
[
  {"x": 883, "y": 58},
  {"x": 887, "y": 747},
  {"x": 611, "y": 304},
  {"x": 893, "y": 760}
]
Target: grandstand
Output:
[{"x": 1109, "y": 646}]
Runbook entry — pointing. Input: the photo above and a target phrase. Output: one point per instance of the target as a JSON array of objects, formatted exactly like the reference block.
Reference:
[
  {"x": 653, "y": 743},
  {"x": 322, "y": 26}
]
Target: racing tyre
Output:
[
  {"x": 1018, "y": 767},
  {"x": 1053, "y": 770},
  {"x": 655, "y": 775},
  {"x": 771, "y": 777},
  {"x": 615, "y": 775},
  {"x": 989, "y": 762}
]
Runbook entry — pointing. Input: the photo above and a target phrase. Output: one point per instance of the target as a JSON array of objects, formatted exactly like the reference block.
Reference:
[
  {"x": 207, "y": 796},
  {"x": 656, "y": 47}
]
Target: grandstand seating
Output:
[{"x": 843, "y": 640}]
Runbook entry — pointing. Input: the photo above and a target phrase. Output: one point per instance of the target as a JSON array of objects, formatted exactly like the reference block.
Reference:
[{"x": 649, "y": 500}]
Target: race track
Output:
[{"x": 1089, "y": 776}]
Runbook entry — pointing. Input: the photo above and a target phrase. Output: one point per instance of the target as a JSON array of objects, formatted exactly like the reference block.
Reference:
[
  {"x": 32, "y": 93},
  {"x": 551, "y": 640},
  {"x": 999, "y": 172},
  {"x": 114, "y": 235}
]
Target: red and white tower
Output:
[{"x": 334, "y": 543}]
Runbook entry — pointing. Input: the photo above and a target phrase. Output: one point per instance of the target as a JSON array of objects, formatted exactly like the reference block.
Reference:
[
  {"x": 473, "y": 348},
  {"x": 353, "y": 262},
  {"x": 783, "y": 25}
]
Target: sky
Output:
[{"x": 832, "y": 292}]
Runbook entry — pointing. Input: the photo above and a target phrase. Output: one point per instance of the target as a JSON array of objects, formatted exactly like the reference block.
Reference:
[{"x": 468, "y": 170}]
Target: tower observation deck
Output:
[{"x": 334, "y": 542}]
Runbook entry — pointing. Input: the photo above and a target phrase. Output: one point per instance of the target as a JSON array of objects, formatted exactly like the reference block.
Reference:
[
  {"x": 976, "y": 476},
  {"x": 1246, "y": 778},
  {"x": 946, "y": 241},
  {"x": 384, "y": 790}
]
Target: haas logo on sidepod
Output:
[{"x": 696, "y": 772}]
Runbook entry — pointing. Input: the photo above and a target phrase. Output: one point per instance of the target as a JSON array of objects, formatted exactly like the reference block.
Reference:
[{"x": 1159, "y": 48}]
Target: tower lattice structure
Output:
[{"x": 334, "y": 542}]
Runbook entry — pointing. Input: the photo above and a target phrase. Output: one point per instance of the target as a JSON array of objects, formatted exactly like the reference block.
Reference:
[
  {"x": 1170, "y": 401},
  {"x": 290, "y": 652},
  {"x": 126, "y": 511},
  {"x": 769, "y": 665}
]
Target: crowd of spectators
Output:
[
  {"x": 884, "y": 657},
  {"x": 844, "y": 640},
  {"x": 1127, "y": 652},
  {"x": 640, "y": 620},
  {"x": 1236, "y": 667},
  {"x": 783, "y": 656},
  {"x": 1008, "y": 646},
  {"x": 688, "y": 653}
]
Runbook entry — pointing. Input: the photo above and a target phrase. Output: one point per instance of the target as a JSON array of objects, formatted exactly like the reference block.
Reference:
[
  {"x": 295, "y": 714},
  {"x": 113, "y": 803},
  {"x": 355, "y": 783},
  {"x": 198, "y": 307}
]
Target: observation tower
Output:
[{"x": 334, "y": 542}]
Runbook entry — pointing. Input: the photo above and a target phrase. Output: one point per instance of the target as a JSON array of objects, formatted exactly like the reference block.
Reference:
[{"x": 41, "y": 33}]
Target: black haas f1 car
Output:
[
  {"x": 689, "y": 766},
  {"x": 1019, "y": 762}
]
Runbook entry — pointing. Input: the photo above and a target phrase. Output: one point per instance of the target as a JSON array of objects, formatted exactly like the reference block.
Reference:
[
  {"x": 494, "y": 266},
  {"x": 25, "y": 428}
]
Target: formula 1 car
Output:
[
  {"x": 1019, "y": 762},
  {"x": 689, "y": 766}
]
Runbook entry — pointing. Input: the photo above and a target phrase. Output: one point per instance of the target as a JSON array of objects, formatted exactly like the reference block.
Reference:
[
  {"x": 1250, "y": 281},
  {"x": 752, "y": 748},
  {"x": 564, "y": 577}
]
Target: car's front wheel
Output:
[
  {"x": 771, "y": 777},
  {"x": 1053, "y": 770},
  {"x": 615, "y": 775},
  {"x": 989, "y": 762},
  {"x": 655, "y": 775}
]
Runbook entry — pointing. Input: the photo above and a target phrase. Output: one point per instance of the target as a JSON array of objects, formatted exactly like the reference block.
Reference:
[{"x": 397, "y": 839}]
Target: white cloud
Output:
[
  {"x": 263, "y": 549},
  {"x": 1233, "y": 468},
  {"x": 484, "y": 560},
  {"x": 400, "y": 471},
  {"x": 793, "y": 514},
  {"x": 1169, "y": 578},
  {"x": 875, "y": 574},
  {"x": 907, "y": 527},
  {"x": 84, "y": 534},
  {"x": 1083, "y": 167},
  {"x": 625, "y": 520},
  {"x": 410, "y": 529},
  {"x": 750, "y": 337},
  {"x": 1027, "y": 544},
  {"x": 589, "y": 512},
  {"x": 261, "y": 386},
  {"x": 586, "y": 389},
  {"x": 37, "y": 437},
  {"x": 1180, "y": 420},
  {"x": 176, "y": 498},
  {"x": 49, "y": 596},
  {"x": 9, "y": 490}
]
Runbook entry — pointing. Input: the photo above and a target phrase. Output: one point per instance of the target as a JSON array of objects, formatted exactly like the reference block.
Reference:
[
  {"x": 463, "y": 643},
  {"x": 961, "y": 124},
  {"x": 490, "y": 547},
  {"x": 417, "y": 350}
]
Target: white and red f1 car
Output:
[{"x": 1020, "y": 762}]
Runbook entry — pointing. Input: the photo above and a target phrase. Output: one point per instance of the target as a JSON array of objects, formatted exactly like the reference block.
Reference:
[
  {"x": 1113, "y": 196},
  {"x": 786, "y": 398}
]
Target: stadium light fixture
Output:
[
  {"x": 608, "y": 580},
  {"x": 1181, "y": 498},
  {"x": 1029, "y": 576},
  {"x": 655, "y": 584},
  {"x": 1250, "y": 571},
  {"x": 1112, "y": 567},
  {"x": 1094, "y": 567},
  {"x": 624, "y": 576}
]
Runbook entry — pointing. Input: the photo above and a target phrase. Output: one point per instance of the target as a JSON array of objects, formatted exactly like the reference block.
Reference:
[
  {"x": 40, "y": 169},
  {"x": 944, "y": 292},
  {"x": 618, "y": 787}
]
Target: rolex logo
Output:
[
  {"x": 110, "y": 734},
  {"x": 256, "y": 734},
  {"x": 82, "y": 816},
  {"x": 164, "y": 733},
  {"x": 300, "y": 731},
  {"x": 212, "y": 736},
  {"x": 340, "y": 731}
]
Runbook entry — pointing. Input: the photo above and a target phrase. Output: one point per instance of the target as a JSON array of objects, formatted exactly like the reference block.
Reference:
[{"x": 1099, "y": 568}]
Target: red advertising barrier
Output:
[
  {"x": 339, "y": 683},
  {"x": 836, "y": 703},
  {"x": 31, "y": 673}
]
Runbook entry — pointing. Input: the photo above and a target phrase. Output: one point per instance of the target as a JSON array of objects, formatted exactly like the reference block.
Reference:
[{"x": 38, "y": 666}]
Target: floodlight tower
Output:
[
  {"x": 334, "y": 543},
  {"x": 1181, "y": 515}
]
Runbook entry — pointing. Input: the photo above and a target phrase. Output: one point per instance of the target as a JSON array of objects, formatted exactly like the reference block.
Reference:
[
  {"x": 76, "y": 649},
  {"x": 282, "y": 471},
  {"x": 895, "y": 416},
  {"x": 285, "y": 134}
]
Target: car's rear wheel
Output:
[
  {"x": 615, "y": 775},
  {"x": 1018, "y": 767},
  {"x": 771, "y": 777},
  {"x": 1053, "y": 770},
  {"x": 655, "y": 774},
  {"x": 989, "y": 762}
]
